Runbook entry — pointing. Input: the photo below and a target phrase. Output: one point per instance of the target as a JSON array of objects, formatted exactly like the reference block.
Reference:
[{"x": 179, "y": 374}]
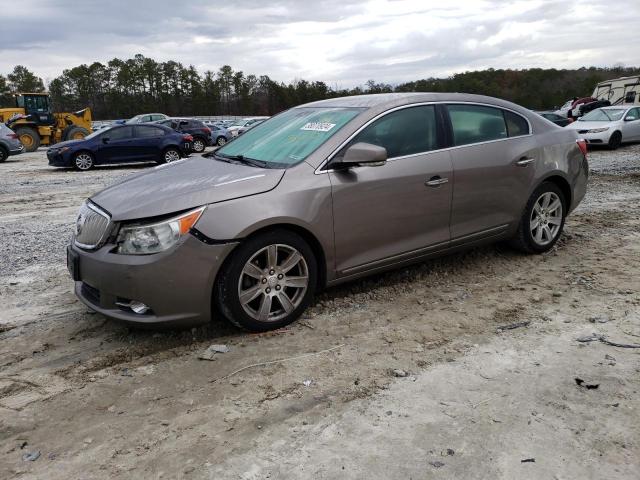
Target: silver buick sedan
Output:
[{"x": 321, "y": 194}]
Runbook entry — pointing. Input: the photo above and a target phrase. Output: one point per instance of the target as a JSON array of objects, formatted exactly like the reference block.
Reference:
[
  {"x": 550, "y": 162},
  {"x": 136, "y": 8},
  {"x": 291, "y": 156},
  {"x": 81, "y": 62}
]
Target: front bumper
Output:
[
  {"x": 601, "y": 138},
  {"x": 56, "y": 159},
  {"x": 16, "y": 150},
  {"x": 177, "y": 285}
]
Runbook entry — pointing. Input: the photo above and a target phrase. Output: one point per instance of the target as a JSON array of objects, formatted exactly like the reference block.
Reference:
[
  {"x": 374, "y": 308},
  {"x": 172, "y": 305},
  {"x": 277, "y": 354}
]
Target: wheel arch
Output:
[
  {"x": 308, "y": 237},
  {"x": 564, "y": 186}
]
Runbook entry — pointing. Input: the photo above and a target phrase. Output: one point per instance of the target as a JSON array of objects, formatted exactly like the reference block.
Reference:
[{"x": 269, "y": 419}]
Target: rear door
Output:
[
  {"x": 116, "y": 145},
  {"x": 494, "y": 159},
  {"x": 385, "y": 214},
  {"x": 146, "y": 142}
]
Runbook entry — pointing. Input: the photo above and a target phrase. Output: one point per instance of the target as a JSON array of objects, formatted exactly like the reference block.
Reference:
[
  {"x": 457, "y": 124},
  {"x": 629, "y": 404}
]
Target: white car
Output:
[
  {"x": 245, "y": 122},
  {"x": 610, "y": 126}
]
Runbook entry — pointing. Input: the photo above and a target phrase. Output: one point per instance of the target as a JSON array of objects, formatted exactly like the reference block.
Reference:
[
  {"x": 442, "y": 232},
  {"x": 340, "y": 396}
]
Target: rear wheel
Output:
[
  {"x": 615, "y": 140},
  {"x": 199, "y": 145},
  {"x": 220, "y": 141},
  {"x": 268, "y": 282},
  {"x": 171, "y": 154},
  {"x": 29, "y": 138},
  {"x": 75, "y": 133},
  {"x": 83, "y": 161},
  {"x": 542, "y": 221}
]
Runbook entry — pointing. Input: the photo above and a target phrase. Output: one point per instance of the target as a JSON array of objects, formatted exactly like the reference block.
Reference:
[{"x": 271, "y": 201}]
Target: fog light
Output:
[
  {"x": 138, "y": 307},
  {"x": 135, "y": 306}
]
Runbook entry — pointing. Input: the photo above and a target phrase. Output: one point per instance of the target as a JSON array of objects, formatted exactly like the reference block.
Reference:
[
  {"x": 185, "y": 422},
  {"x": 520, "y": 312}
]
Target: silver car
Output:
[
  {"x": 9, "y": 143},
  {"x": 321, "y": 194}
]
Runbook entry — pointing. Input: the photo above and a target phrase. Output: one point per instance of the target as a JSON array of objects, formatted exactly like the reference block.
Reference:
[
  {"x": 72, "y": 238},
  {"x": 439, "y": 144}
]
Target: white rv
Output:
[{"x": 624, "y": 90}]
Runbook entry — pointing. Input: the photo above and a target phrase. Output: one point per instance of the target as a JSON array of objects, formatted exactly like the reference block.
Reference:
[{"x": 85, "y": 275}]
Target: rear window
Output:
[{"x": 476, "y": 123}]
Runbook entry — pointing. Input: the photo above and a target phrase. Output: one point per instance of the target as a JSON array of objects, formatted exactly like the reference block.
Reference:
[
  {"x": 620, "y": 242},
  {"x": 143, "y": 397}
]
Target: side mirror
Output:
[
  {"x": 105, "y": 139},
  {"x": 630, "y": 118},
  {"x": 362, "y": 154}
]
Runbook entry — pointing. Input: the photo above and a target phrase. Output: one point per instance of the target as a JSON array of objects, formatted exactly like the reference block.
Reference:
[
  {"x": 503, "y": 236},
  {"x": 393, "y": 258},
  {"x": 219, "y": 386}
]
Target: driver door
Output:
[{"x": 390, "y": 213}]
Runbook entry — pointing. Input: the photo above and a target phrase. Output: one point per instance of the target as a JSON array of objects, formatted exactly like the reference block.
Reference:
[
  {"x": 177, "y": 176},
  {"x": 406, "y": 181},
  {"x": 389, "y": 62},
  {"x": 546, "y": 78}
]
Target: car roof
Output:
[{"x": 384, "y": 101}]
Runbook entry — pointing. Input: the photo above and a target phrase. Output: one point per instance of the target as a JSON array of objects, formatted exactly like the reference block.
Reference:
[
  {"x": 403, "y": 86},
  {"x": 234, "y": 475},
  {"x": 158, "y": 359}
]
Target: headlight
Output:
[
  {"x": 598, "y": 130},
  {"x": 157, "y": 237}
]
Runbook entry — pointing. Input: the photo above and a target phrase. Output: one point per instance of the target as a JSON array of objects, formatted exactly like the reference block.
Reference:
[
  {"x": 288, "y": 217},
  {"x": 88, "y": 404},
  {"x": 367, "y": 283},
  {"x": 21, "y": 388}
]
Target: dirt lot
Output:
[{"x": 97, "y": 400}]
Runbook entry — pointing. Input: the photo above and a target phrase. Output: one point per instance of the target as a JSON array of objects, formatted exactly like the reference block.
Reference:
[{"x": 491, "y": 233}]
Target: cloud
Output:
[{"x": 343, "y": 42}]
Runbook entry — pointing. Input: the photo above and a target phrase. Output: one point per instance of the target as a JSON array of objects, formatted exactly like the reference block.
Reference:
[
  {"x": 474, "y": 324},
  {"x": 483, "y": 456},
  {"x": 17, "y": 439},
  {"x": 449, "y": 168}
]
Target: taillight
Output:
[
  {"x": 583, "y": 146},
  {"x": 187, "y": 138},
  {"x": 206, "y": 130},
  {"x": 13, "y": 135}
]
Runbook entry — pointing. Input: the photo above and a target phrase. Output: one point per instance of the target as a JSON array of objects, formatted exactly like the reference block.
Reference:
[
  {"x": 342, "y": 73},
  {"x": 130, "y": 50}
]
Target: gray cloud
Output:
[{"x": 343, "y": 42}]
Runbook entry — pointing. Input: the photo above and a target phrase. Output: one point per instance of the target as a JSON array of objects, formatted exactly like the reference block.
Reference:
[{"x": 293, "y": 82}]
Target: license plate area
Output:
[{"x": 73, "y": 264}]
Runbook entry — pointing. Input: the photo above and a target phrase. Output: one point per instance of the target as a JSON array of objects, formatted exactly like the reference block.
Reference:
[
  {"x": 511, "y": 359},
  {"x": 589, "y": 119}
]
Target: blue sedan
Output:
[{"x": 121, "y": 144}]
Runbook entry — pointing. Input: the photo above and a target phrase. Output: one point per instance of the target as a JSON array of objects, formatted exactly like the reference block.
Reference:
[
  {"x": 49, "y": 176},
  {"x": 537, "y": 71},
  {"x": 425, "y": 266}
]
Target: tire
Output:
[
  {"x": 83, "y": 161},
  {"x": 74, "y": 133},
  {"x": 199, "y": 144},
  {"x": 221, "y": 140},
  {"x": 615, "y": 140},
  {"x": 29, "y": 138},
  {"x": 540, "y": 239},
  {"x": 288, "y": 287},
  {"x": 4, "y": 154},
  {"x": 169, "y": 155}
]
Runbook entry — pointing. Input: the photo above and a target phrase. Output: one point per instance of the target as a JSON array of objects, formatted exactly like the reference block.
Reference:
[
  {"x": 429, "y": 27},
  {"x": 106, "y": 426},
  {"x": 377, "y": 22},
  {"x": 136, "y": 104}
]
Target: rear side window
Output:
[
  {"x": 516, "y": 125},
  {"x": 403, "y": 132},
  {"x": 147, "y": 132},
  {"x": 476, "y": 123}
]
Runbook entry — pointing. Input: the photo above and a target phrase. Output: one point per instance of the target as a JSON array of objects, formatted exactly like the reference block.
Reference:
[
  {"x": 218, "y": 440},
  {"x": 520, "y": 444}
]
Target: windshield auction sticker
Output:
[{"x": 318, "y": 126}]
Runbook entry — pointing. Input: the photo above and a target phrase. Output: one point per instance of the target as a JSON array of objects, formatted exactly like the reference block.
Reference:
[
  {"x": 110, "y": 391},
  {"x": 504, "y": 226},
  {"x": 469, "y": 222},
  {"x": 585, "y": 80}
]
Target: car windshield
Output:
[
  {"x": 95, "y": 133},
  {"x": 289, "y": 137},
  {"x": 602, "y": 115}
]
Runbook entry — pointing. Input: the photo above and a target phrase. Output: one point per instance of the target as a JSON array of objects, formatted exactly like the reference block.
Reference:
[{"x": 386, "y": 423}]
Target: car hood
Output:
[
  {"x": 67, "y": 143},
  {"x": 181, "y": 185},
  {"x": 578, "y": 125}
]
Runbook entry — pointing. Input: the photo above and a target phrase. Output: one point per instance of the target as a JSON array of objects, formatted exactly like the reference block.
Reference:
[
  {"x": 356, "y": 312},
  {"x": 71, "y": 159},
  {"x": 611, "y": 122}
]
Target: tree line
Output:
[{"x": 123, "y": 88}]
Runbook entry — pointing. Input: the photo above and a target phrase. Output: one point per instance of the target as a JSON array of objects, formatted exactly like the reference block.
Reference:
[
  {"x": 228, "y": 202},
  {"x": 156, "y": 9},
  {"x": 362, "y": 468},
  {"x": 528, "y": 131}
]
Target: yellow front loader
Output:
[{"x": 32, "y": 120}]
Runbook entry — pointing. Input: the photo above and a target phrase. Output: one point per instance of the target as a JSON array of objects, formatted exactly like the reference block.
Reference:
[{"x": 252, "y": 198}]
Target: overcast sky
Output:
[{"x": 342, "y": 42}]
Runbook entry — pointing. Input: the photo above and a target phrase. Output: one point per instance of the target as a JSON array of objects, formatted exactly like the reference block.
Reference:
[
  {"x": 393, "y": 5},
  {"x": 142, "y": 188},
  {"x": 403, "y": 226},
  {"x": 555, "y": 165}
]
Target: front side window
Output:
[
  {"x": 290, "y": 137},
  {"x": 120, "y": 133},
  {"x": 476, "y": 123},
  {"x": 404, "y": 132}
]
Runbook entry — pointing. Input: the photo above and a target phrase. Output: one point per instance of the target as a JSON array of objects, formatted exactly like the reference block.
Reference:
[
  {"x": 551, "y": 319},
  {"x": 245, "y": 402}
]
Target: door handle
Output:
[
  {"x": 436, "y": 181},
  {"x": 524, "y": 161}
]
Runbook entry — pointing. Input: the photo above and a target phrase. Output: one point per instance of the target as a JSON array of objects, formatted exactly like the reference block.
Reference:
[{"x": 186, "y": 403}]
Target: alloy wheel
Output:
[
  {"x": 171, "y": 156},
  {"x": 221, "y": 141},
  {"x": 546, "y": 218},
  {"x": 84, "y": 161},
  {"x": 273, "y": 283},
  {"x": 198, "y": 145}
]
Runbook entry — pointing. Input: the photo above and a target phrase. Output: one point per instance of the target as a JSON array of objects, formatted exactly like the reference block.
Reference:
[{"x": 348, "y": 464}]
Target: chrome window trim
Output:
[
  {"x": 107, "y": 230},
  {"x": 319, "y": 170}
]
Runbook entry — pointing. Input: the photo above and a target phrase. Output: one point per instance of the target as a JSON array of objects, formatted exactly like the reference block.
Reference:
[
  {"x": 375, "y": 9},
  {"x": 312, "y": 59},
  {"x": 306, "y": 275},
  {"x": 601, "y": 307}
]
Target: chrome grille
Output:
[{"x": 92, "y": 226}]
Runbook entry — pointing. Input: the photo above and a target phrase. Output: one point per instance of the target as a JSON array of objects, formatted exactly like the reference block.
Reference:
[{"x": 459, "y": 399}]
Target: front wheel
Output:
[
  {"x": 615, "y": 140},
  {"x": 83, "y": 161},
  {"x": 221, "y": 141},
  {"x": 268, "y": 282},
  {"x": 542, "y": 221}
]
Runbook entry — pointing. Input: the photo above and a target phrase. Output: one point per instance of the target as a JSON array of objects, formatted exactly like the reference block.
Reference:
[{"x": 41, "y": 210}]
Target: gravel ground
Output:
[{"x": 97, "y": 400}]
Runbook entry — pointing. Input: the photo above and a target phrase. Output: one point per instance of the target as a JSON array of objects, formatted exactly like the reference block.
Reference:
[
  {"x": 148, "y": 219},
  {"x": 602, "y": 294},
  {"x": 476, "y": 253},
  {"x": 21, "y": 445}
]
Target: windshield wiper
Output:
[{"x": 246, "y": 160}]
